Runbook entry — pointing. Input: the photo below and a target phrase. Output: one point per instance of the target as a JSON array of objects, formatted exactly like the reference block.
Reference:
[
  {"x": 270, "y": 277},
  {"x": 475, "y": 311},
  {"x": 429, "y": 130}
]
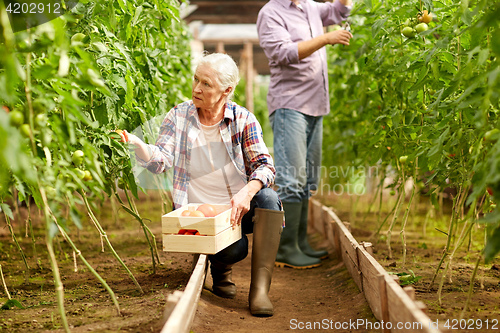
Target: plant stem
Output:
[
  {"x": 395, "y": 217},
  {"x": 405, "y": 220},
  {"x": 85, "y": 262},
  {"x": 151, "y": 242},
  {"x": 371, "y": 204},
  {"x": 11, "y": 229},
  {"x": 381, "y": 197},
  {"x": 105, "y": 237},
  {"x": 53, "y": 263},
  {"x": 4, "y": 284},
  {"x": 30, "y": 225},
  {"x": 471, "y": 288}
]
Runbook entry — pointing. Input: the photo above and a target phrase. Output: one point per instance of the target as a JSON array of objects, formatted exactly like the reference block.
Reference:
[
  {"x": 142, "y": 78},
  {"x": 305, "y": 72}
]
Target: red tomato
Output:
[
  {"x": 207, "y": 209},
  {"x": 186, "y": 213},
  {"x": 490, "y": 191},
  {"x": 197, "y": 213}
]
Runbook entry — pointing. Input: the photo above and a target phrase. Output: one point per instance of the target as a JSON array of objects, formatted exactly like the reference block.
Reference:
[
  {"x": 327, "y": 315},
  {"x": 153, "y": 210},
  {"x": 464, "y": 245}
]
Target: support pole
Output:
[{"x": 249, "y": 76}]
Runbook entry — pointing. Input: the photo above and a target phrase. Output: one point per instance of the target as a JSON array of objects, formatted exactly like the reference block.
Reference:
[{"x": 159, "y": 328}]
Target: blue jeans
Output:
[
  {"x": 266, "y": 198},
  {"x": 297, "y": 153}
]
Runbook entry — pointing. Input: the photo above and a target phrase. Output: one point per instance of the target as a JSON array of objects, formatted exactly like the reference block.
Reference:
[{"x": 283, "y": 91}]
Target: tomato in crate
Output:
[{"x": 189, "y": 230}]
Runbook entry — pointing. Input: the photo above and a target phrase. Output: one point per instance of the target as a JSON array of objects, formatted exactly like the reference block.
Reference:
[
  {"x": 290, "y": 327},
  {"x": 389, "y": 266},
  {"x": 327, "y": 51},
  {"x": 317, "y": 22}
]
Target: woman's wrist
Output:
[{"x": 254, "y": 186}]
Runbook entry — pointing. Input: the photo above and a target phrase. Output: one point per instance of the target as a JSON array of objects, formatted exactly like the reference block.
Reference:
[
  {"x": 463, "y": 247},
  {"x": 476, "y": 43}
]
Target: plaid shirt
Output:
[{"x": 241, "y": 134}]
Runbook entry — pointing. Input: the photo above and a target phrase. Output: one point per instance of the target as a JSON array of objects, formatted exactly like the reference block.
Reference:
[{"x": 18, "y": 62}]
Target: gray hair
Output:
[{"x": 226, "y": 70}]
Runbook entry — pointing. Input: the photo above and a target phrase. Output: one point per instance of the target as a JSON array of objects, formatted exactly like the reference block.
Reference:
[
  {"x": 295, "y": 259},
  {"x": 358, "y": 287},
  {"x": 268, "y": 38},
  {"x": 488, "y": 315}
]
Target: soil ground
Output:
[
  {"x": 424, "y": 251},
  {"x": 318, "y": 295},
  {"x": 325, "y": 295}
]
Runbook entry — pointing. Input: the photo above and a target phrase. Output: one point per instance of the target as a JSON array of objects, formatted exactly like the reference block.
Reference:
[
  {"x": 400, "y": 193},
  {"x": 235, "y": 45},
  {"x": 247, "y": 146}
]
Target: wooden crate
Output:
[{"x": 216, "y": 232}]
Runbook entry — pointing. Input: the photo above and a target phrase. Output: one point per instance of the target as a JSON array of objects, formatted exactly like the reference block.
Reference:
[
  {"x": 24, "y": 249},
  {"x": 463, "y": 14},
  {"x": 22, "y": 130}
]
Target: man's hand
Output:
[
  {"x": 240, "y": 202},
  {"x": 337, "y": 37},
  {"x": 346, "y": 2},
  {"x": 308, "y": 47}
]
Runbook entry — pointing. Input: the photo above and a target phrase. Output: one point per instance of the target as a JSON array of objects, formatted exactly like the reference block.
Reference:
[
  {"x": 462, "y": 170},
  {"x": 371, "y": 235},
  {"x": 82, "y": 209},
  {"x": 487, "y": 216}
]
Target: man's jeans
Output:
[
  {"x": 266, "y": 198},
  {"x": 297, "y": 153}
]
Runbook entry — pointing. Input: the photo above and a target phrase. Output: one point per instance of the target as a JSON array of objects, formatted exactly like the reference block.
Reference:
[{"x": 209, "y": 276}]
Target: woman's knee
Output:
[{"x": 267, "y": 198}]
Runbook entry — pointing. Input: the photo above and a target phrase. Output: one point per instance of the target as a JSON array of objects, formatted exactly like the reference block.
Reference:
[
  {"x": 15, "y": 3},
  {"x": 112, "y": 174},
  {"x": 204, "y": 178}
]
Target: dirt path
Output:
[
  {"x": 325, "y": 293},
  {"x": 300, "y": 297}
]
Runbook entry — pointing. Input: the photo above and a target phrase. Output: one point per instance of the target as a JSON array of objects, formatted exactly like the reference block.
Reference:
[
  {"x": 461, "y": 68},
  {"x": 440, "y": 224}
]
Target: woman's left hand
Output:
[{"x": 241, "y": 201}]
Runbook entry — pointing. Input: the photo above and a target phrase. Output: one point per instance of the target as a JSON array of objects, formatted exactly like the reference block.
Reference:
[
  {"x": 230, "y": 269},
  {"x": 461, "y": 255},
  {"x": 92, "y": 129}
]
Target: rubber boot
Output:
[
  {"x": 266, "y": 238},
  {"x": 289, "y": 252},
  {"x": 303, "y": 243},
  {"x": 221, "y": 275}
]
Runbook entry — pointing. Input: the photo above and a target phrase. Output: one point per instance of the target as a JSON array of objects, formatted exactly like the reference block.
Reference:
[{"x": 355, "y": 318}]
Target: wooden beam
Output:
[
  {"x": 181, "y": 317},
  {"x": 384, "y": 309},
  {"x": 205, "y": 3},
  {"x": 404, "y": 311},
  {"x": 349, "y": 254},
  {"x": 220, "y": 19},
  {"x": 370, "y": 270},
  {"x": 220, "y": 47},
  {"x": 230, "y": 41},
  {"x": 249, "y": 76}
]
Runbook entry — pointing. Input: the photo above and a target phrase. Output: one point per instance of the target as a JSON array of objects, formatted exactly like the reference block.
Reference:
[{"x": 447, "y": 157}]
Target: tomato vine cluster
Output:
[{"x": 414, "y": 26}]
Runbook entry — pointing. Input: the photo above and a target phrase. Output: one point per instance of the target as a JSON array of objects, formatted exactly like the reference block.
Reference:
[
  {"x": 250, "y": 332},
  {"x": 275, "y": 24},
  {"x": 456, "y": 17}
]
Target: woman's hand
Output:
[
  {"x": 241, "y": 201},
  {"x": 129, "y": 138},
  {"x": 141, "y": 149}
]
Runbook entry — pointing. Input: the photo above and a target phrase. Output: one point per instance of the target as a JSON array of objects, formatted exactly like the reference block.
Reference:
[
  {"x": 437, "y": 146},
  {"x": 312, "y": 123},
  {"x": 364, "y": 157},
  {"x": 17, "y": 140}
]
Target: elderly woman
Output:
[{"x": 219, "y": 157}]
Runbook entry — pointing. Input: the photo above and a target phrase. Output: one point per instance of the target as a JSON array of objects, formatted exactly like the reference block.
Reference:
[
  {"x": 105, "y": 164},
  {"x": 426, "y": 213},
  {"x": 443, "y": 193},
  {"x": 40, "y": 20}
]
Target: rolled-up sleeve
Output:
[
  {"x": 259, "y": 161},
  {"x": 276, "y": 40},
  {"x": 333, "y": 13},
  {"x": 162, "y": 152}
]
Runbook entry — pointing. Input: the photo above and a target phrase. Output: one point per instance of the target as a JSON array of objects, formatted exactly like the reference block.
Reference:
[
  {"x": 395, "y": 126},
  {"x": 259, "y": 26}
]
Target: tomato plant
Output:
[
  {"x": 439, "y": 95},
  {"x": 70, "y": 82}
]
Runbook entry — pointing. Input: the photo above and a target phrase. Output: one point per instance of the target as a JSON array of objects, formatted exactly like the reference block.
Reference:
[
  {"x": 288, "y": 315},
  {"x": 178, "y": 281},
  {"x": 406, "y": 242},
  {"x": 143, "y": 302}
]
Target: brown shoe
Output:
[{"x": 221, "y": 275}]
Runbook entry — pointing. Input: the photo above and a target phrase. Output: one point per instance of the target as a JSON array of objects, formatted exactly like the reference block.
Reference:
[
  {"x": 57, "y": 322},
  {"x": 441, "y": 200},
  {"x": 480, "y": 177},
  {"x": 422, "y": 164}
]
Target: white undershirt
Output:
[{"x": 213, "y": 177}]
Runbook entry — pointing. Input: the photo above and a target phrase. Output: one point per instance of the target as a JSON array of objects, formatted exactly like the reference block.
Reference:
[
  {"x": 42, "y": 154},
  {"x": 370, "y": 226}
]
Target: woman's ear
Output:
[{"x": 228, "y": 91}]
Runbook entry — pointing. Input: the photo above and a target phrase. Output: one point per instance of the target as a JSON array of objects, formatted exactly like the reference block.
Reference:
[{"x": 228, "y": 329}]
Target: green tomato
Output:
[
  {"x": 77, "y": 38},
  {"x": 392, "y": 192},
  {"x": 41, "y": 120},
  {"x": 121, "y": 184},
  {"x": 488, "y": 136},
  {"x": 88, "y": 176},
  {"x": 431, "y": 92},
  {"x": 77, "y": 157},
  {"x": 16, "y": 118},
  {"x": 421, "y": 27},
  {"x": 409, "y": 32},
  {"x": 51, "y": 192},
  {"x": 403, "y": 159},
  {"x": 25, "y": 130},
  {"x": 80, "y": 173}
]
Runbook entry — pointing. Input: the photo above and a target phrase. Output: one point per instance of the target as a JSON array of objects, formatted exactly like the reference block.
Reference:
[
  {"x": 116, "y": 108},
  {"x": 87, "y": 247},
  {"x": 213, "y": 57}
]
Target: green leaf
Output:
[
  {"x": 467, "y": 17},
  {"x": 11, "y": 303},
  {"x": 495, "y": 41},
  {"x": 137, "y": 14},
  {"x": 6, "y": 209},
  {"x": 377, "y": 26},
  {"x": 492, "y": 245},
  {"x": 429, "y": 5}
]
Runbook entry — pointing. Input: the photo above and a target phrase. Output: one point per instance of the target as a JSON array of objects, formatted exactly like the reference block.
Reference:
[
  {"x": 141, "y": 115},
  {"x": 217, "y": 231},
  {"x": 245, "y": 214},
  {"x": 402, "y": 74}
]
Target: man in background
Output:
[{"x": 292, "y": 36}]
